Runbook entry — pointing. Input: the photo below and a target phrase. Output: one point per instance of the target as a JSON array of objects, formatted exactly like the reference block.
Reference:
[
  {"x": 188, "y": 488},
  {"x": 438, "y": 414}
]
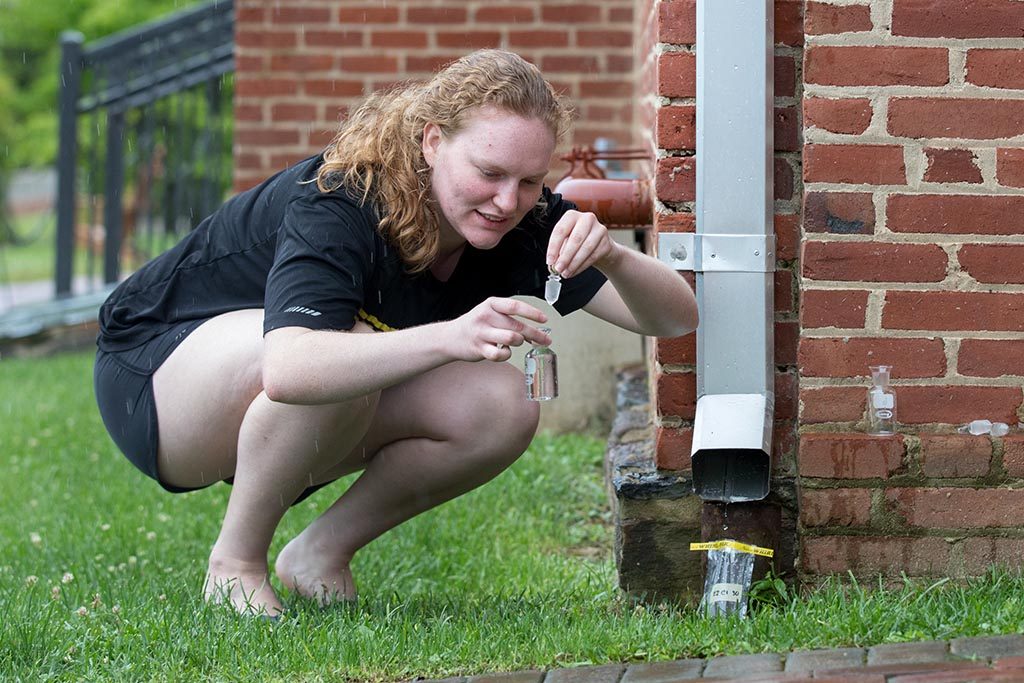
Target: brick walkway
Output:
[{"x": 962, "y": 660}]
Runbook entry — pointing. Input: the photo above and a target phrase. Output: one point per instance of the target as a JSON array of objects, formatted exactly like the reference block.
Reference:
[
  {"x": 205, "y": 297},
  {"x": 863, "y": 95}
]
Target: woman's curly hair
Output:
[{"x": 378, "y": 149}]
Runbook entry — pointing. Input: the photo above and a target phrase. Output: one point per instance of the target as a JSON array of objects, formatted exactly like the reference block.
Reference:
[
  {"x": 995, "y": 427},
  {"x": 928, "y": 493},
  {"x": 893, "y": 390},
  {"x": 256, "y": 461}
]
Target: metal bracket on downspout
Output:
[{"x": 703, "y": 252}]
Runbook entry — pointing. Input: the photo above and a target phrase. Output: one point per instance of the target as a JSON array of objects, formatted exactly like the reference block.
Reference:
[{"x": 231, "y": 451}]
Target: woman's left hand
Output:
[{"x": 577, "y": 242}]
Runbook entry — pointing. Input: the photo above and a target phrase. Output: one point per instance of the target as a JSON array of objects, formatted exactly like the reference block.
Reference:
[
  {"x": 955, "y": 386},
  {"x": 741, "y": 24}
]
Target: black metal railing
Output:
[{"x": 145, "y": 139}]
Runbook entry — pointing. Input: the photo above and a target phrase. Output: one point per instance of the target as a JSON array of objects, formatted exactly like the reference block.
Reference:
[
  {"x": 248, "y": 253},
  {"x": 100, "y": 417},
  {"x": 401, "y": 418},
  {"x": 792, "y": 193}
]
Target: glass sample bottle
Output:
[
  {"x": 541, "y": 369},
  {"x": 881, "y": 402},
  {"x": 553, "y": 287}
]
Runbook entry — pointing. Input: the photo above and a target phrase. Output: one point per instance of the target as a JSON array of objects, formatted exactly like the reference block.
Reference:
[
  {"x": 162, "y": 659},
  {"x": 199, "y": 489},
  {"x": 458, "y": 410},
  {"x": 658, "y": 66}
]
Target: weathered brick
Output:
[
  {"x": 332, "y": 87},
  {"x": 677, "y": 127},
  {"x": 784, "y": 447},
  {"x": 839, "y": 213},
  {"x": 519, "y": 14},
  {"x": 672, "y": 448},
  {"x": 571, "y": 14},
  {"x": 676, "y": 221},
  {"x": 584, "y": 64},
  {"x": 538, "y": 38},
  {"x": 991, "y": 357},
  {"x": 1013, "y": 455},
  {"x": 288, "y": 111},
  {"x": 283, "y": 14},
  {"x": 676, "y": 179},
  {"x": 599, "y": 38},
  {"x": 821, "y": 18},
  {"x": 1010, "y": 167},
  {"x": 969, "y": 119},
  {"x": 870, "y": 164},
  {"x": 948, "y": 19},
  {"x": 676, "y": 350},
  {"x": 832, "y": 308},
  {"x": 851, "y": 356},
  {"x": 956, "y": 404},
  {"x": 984, "y": 552},
  {"x": 835, "y": 507},
  {"x": 360, "y": 64},
  {"x": 857, "y": 65},
  {"x": 873, "y": 261},
  {"x": 951, "y": 166},
  {"x": 677, "y": 22},
  {"x": 955, "y": 455},
  {"x": 785, "y": 76},
  {"x": 445, "y": 14},
  {"x": 468, "y": 39},
  {"x": 333, "y": 38},
  {"x": 958, "y": 508},
  {"x": 267, "y": 39},
  {"x": 677, "y": 74},
  {"x": 891, "y": 555},
  {"x": 263, "y": 137},
  {"x": 367, "y": 14},
  {"x": 789, "y": 22},
  {"x": 787, "y": 394},
  {"x": 993, "y": 263},
  {"x": 956, "y": 214},
  {"x": 308, "y": 63},
  {"x": 787, "y": 130},
  {"x": 676, "y": 394},
  {"x": 787, "y": 236},
  {"x": 832, "y": 404},
  {"x": 851, "y": 116},
  {"x": 996, "y": 68},
  {"x": 428, "y": 64},
  {"x": 953, "y": 311},
  {"x": 398, "y": 39},
  {"x": 850, "y": 456},
  {"x": 783, "y": 179},
  {"x": 783, "y": 294}
]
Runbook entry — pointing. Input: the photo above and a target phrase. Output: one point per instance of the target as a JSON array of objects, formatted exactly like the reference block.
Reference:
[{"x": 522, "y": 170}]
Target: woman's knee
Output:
[{"x": 497, "y": 413}]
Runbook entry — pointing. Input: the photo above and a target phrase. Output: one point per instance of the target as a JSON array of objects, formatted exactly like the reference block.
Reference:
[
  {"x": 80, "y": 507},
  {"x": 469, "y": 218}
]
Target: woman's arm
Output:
[
  {"x": 643, "y": 294},
  {"x": 311, "y": 367}
]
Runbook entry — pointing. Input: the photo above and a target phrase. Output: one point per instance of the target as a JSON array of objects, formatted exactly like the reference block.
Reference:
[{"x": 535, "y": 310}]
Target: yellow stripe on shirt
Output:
[{"x": 372, "y": 319}]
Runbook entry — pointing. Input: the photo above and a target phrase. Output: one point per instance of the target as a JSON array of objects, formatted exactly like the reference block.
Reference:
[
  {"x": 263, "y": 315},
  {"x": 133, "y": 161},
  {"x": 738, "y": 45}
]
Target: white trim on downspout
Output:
[{"x": 733, "y": 251}]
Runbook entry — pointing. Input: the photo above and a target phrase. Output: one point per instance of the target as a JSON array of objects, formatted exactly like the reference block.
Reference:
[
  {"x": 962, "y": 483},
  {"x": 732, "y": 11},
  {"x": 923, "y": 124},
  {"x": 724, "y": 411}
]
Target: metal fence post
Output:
[
  {"x": 113, "y": 181},
  {"x": 71, "y": 43}
]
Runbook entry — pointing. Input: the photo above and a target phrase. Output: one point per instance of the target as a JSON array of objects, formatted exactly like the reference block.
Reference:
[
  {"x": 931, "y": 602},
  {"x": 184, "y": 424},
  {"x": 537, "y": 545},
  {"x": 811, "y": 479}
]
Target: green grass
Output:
[{"x": 516, "y": 575}]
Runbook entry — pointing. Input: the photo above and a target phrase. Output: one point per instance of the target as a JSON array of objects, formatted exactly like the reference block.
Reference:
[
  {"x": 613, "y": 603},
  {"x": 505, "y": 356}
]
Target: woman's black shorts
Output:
[{"x": 123, "y": 382}]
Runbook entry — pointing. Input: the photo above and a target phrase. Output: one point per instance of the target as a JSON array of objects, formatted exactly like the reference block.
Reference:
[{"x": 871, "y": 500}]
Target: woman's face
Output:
[{"x": 487, "y": 176}]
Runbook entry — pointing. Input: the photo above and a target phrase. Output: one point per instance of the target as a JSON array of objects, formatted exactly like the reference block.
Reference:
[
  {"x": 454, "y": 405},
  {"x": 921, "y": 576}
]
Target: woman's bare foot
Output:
[
  {"x": 244, "y": 585},
  {"x": 304, "y": 571}
]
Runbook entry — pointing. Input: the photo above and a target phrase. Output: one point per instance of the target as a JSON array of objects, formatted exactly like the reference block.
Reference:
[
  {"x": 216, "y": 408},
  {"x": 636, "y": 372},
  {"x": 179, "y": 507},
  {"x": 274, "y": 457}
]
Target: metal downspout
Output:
[{"x": 733, "y": 251}]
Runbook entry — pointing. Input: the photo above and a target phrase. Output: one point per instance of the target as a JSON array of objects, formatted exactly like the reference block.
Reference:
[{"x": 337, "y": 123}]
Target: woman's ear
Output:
[{"x": 431, "y": 141}]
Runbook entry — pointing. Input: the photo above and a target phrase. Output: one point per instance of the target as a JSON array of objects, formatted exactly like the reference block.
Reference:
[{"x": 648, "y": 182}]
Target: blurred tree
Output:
[{"x": 29, "y": 53}]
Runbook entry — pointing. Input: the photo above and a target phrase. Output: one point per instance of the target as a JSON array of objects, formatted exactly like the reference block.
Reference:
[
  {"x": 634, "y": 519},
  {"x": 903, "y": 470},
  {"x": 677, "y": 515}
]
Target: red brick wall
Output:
[
  {"x": 301, "y": 64},
  {"x": 913, "y": 233},
  {"x": 667, "y": 119},
  {"x": 900, "y": 220}
]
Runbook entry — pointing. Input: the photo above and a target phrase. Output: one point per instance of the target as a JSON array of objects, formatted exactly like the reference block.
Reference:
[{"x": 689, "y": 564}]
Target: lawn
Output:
[{"x": 102, "y": 569}]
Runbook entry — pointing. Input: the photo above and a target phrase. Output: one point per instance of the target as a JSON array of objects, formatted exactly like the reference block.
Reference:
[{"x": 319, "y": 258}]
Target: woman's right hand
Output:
[{"x": 489, "y": 330}]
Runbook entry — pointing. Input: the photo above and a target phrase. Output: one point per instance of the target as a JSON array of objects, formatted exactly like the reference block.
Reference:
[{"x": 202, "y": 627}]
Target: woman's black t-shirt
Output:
[{"x": 316, "y": 260}]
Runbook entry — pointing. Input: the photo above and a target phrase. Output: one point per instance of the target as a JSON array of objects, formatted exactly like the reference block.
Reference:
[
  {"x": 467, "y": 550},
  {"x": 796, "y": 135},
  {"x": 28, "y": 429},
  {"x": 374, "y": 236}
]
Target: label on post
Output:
[{"x": 725, "y": 592}]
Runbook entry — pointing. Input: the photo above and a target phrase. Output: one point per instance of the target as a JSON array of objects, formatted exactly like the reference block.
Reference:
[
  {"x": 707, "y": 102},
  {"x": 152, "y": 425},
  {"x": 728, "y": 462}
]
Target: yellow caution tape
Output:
[{"x": 734, "y": 545}]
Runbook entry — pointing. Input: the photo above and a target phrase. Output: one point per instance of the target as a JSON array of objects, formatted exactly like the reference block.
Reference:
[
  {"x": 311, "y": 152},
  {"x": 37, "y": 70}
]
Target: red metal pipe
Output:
[{"x": 618, "y": 203}]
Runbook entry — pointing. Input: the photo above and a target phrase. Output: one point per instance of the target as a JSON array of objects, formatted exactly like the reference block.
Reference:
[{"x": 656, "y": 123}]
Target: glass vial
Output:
[
  {"x": 541, "y": 369},
  {"x": 881, "y": 402},
  {"x": 553, "y": 287}
]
